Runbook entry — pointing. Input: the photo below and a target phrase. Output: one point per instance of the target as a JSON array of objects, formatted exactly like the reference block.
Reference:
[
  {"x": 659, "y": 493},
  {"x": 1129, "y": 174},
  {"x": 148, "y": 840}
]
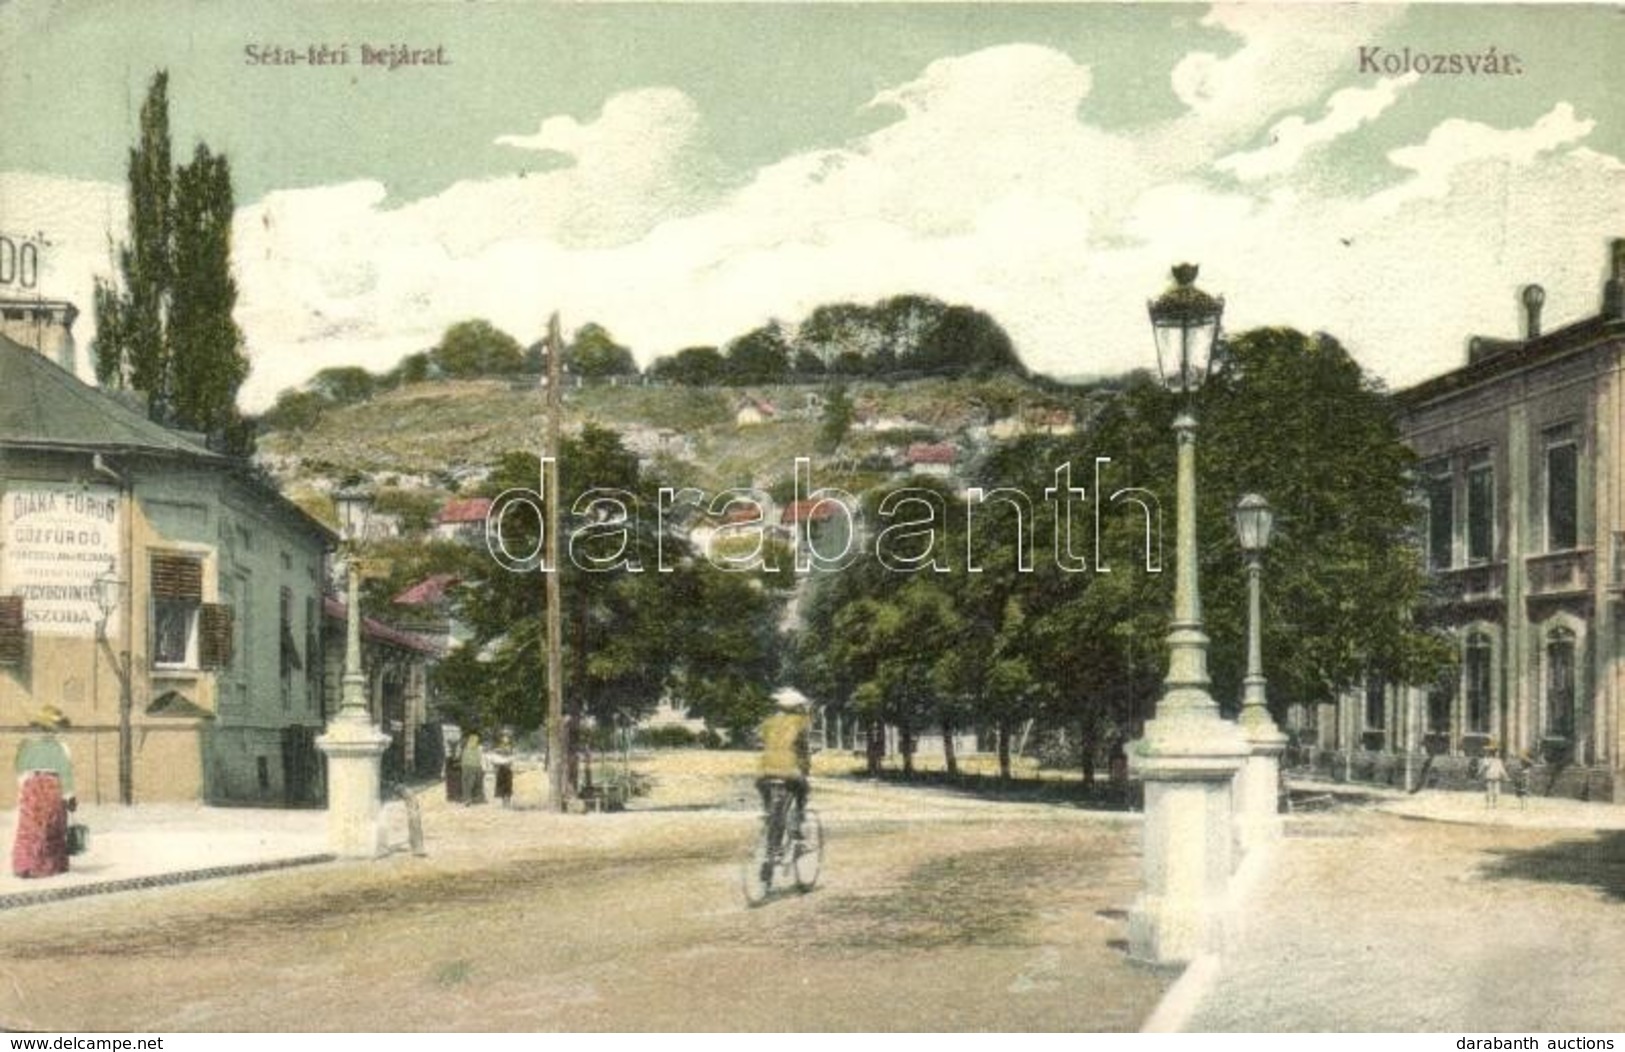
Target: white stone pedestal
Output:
[
  {"x": 1258, "y": 788},
  {"x": 1188, "y": 770},
  {"x": 354, "y": 750}
]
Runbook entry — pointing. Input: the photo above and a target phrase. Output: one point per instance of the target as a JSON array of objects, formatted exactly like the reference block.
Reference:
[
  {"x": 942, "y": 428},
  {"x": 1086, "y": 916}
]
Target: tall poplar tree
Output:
[{"x": 164, "y": 327}]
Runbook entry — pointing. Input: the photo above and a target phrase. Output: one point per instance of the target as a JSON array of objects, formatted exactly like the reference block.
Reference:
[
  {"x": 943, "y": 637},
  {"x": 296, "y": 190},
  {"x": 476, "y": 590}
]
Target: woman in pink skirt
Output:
[{"x": 45, "y": 795}]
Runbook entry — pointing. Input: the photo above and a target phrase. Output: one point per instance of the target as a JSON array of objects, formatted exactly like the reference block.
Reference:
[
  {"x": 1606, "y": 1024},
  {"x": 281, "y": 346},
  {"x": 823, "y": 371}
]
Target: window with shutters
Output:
[{"x": 177, "y": 599}]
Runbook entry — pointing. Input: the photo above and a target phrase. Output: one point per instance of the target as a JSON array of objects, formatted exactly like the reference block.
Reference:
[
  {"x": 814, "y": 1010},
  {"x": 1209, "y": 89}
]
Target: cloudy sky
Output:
[{"x": 682, "y": 173}]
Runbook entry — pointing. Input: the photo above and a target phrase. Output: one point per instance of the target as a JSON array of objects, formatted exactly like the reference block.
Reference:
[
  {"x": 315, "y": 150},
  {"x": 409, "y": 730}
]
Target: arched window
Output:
[
  {"x": 1476, "y": 671},
  {"x": 1560, "y": 655}
]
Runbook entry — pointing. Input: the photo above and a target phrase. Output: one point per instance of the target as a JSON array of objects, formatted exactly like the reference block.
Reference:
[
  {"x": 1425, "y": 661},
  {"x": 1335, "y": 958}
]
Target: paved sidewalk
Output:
[
  {"x": 151, "y": 844},
  {"x": 1471, "y": 921}
]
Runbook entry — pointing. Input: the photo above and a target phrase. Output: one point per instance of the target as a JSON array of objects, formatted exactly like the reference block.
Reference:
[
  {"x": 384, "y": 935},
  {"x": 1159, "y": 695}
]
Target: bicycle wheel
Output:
[
  {"x": 807, "y": 855},
  {"x": 756, "y": 877}
]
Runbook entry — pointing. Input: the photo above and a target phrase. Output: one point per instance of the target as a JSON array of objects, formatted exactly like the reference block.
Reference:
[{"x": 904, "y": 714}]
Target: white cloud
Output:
[
  {"x": 1293, "y": 137},
  {"x": 1457, "y": 143},
  {"x": 1285, "y": 58}
]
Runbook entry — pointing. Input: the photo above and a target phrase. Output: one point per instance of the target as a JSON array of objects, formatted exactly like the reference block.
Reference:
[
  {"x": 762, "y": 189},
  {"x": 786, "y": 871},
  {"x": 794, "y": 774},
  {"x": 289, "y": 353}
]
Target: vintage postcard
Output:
[{"x": 812, "y": 517}]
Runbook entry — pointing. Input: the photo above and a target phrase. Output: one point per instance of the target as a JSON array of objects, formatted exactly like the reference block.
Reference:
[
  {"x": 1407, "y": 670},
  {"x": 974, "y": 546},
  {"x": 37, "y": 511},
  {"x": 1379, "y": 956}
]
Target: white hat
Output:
[{"x": 789, "y": 698}]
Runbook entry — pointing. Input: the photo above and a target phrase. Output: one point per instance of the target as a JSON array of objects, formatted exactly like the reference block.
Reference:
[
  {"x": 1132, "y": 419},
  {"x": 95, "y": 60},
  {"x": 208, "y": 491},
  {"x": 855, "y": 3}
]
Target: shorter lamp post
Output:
[
  {"x": 1258, "y": 785},
  {"x": 1189, "y": 755},
  {"x": 109, "y": 589},
  {"x": 353, "y": 745}
]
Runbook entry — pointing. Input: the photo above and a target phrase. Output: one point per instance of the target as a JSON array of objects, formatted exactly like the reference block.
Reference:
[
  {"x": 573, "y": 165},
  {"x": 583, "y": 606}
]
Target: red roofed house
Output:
[
  {"x": 463, "y": 520},
  {"x": 753, "y": 411},
  {"x": 932, "y": 458}
]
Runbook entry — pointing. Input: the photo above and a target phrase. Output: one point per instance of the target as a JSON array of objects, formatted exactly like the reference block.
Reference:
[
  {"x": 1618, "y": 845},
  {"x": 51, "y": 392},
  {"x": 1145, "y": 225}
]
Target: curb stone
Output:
[{"x": 20, "y": 899}]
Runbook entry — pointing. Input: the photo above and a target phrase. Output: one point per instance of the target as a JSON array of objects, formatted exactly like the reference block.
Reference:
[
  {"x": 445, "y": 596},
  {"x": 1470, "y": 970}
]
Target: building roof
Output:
[
  {"x": 378, "y": 632},
  {"x": 932, "y": 453},
  {"x": 428, "y": 591},
  {"x": 47, "y": 407},
  {"x": 471, "y": 509},
  {"x": 1495, "y": 358},
  {"x": 810, "y": 510}
]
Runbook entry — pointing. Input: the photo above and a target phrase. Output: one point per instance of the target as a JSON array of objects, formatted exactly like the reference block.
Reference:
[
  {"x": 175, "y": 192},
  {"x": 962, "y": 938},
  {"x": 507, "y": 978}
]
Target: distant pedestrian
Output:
[
  {"x": 1494, "y": 772},
  {"x": 473, "y": 762},
  {"x": 1523, "y": 780},
  {"x": 45, "y": 795},
  {"x": 502, "y": 765}
]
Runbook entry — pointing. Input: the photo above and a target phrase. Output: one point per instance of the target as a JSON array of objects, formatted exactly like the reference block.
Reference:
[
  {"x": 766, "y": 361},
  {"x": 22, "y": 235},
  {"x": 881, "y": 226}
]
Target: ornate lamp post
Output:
[
  {"x": 353, "y": 746},
  {"x": 1258, "y": 815},
  {"x": 1189, "y": 755}
]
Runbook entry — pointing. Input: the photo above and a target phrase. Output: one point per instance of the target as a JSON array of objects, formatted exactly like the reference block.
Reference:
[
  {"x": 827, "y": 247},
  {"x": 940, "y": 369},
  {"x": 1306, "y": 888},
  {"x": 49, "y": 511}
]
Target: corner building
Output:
[
  {"x": 1522, "y": 472},
  {"x": 166, "y": 598}
]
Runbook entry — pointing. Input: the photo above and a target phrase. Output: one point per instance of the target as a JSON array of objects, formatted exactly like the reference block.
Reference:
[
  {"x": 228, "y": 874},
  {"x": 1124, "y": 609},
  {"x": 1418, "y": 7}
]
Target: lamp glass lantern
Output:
[
  {"x": 354, "y": 507},
  {"x": 1185, "y": 322},
  {"x": 108, "y": 587},
  {"x": 1255, "y": 521}
]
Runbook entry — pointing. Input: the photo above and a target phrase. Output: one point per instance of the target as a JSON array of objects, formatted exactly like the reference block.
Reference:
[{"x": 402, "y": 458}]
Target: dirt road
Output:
[{"x": 935, "y": 912}]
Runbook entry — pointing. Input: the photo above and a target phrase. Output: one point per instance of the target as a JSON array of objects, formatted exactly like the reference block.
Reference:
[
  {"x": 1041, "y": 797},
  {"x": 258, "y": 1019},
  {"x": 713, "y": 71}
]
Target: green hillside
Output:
[{"x": 425, "y": 437}]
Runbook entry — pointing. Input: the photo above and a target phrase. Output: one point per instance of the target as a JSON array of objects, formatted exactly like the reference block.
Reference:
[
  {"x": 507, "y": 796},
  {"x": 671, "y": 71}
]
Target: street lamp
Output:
[
  {"x": 355, "y": 508},
  {"x": 109, "y": 590},
  {"x": 353, "y": 746},
  {"x": 1189, "y": 755},
  {"x": 1259, "y": 783}
]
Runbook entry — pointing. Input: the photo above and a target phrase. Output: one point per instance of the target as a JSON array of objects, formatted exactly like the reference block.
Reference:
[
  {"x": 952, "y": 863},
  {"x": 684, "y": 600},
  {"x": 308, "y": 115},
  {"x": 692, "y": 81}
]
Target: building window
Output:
[
  {"x": 1437, "y": 715},
  {"x": 177, "y": 602},
  {"x": 1560, "y": 653},
  {"x": 1480, "y": 511},
  {"x": 313, "y": 652},
  {"x": 1476, "y": 673},
  {"x": 1376, "y": 708},
  {"x": 186, "y": 632},
  {"x": 1562, "y": 490},
  {"x": 291, "y": 661},
  {"x": 1441, "y": 506}
]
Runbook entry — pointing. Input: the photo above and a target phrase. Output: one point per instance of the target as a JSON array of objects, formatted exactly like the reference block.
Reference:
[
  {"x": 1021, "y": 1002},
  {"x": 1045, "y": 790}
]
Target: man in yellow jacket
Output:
[{"x": 786, "y": 757}]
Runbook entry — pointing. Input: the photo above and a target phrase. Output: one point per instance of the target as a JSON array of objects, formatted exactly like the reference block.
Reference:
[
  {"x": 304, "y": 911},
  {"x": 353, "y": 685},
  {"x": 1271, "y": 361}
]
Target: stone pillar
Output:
[
  {"x": 1187, "y": 760},
  {"x": 354, "y": 749},
  {"x": 1258, "y": 785}
]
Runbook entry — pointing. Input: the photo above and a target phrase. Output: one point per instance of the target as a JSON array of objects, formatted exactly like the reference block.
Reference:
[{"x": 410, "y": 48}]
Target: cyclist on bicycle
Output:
[{"x": 786, "y": 757}]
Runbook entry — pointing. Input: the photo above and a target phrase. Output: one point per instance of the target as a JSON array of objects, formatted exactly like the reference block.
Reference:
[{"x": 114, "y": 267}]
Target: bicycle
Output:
[{"x": 783, "y": 859}]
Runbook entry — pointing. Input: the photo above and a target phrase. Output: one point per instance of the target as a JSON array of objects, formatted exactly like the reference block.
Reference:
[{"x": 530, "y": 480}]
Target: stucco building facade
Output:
[
  {"x": 166, "y": 598},
  {"x": 1522, "y": 473}
]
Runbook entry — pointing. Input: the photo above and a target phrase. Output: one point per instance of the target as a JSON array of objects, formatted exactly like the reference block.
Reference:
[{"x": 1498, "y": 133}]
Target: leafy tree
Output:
[
  {"x": 594, "y": 355},
  {"x": 344, "y": 384},
  {"x": 413, "y": 369},
  {"x": 477, "y": 348},
  {"x": 629, "y": 637},
  {"x": 761, "y": 356},
  {"x": 691, "y": 367},
  {"x": 836, "y": 420},
  {"x": 294, "y": 411},
  {"x": 963, "y": 342},
  {"x": 165, "y": 327}
]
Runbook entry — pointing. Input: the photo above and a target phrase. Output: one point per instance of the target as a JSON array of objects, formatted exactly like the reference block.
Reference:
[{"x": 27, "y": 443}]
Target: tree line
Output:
[
  {"x": 991, "y": 635},
  {"x": 1081, "y": 654}
]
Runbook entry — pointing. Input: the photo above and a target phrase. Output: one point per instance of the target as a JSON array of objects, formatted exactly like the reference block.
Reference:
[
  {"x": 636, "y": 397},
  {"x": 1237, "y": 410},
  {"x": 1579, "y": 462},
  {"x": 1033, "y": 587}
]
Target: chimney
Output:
[
  {"x": 1533, "y": 297},
  {"x": 1613, "y": 293}
]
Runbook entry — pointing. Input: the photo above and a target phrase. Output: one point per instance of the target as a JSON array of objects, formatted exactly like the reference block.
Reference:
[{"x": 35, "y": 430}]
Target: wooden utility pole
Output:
[{"x": 558, "y": 739}]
